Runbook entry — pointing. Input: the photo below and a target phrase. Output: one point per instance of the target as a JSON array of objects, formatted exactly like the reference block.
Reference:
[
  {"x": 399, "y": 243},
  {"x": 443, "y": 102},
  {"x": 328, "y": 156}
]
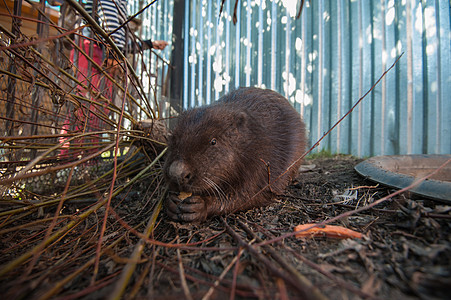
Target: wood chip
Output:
[{"x": 330, "y": 231}]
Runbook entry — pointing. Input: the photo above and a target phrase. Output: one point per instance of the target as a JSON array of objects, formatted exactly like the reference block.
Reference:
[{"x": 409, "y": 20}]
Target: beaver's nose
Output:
[{"x": 179, "y": 172}]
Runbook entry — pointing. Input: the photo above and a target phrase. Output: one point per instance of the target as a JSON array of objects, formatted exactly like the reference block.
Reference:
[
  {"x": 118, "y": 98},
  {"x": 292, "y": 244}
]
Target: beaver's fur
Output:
[{"x": 232, "y": 155}]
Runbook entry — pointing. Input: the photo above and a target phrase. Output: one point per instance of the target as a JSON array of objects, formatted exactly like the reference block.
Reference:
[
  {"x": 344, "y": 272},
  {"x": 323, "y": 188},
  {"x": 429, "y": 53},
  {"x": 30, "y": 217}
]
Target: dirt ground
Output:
[{"x": 405, "y": 252}]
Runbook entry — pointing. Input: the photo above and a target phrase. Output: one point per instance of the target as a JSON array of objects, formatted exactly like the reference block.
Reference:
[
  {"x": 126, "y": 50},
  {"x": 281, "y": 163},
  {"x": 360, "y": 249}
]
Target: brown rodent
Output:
[{"x": 228, "y": 156}]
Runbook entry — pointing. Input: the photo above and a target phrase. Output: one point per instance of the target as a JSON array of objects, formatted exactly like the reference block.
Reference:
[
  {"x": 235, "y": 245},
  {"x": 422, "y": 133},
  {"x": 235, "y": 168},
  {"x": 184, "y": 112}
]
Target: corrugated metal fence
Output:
[
  {"x": 324, "y": 61},
  {"x": 157, "y": 25}
]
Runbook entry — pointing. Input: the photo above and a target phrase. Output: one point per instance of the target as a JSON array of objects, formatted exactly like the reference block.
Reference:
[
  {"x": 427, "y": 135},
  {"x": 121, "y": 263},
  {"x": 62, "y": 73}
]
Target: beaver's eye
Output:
[{"x": 213, "y": 142}]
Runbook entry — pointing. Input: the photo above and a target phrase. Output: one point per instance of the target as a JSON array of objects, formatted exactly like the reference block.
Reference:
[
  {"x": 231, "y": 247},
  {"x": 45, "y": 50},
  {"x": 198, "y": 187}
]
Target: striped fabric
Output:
[{"x": 110, "y": 15}]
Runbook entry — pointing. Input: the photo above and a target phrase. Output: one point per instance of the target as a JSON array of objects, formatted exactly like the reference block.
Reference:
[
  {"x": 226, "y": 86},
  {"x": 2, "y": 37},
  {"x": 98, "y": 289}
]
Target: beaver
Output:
[{"x": 233, "y": 155}]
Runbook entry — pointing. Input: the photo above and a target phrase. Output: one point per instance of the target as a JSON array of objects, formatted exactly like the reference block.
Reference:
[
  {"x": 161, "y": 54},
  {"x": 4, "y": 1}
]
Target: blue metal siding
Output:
[
  {"x": 157, "y": 21},
  {"x": 326, "y": 60}
]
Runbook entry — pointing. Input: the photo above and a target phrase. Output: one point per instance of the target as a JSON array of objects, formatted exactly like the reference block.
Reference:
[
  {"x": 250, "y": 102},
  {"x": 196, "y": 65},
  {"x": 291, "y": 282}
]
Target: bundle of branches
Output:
[{"x": 69, "y": 155}]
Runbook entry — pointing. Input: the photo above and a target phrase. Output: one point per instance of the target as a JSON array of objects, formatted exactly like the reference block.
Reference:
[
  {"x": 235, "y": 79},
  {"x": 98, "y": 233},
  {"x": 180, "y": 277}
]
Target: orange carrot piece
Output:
[
  {"x": 183, "y": 195},
  {"x": 330, "y": 231}
]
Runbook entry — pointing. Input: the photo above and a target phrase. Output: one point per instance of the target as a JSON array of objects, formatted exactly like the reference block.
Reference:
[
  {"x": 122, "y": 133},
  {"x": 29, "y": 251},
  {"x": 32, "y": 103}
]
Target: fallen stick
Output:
[{"x": 330, "y": 231}]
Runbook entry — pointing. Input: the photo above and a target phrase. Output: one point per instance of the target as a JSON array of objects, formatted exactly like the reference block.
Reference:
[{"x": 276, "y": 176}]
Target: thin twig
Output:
[
  {"x": 223, "y": 274},
  {"x": 128, "y": 270},
  {"x": 301, "y": 279},
  {"x": 182, "y": 276},
  {"x": 300, "y": 287},
  {"x": 113, "y": 182},
  {"x": 332, "y": 128}
]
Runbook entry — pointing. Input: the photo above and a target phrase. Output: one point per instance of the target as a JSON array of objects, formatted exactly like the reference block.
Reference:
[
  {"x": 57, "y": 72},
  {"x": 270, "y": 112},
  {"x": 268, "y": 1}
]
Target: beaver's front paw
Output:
[{"x": 191, "y": 209}]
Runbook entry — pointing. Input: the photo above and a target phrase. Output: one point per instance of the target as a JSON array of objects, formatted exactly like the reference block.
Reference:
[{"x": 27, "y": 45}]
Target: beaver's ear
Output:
[{"x": 241, "y": 119}]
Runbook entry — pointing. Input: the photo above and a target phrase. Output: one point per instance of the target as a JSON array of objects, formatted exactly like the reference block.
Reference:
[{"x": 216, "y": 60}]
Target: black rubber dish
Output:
[{"x": 400, "y": 171}]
